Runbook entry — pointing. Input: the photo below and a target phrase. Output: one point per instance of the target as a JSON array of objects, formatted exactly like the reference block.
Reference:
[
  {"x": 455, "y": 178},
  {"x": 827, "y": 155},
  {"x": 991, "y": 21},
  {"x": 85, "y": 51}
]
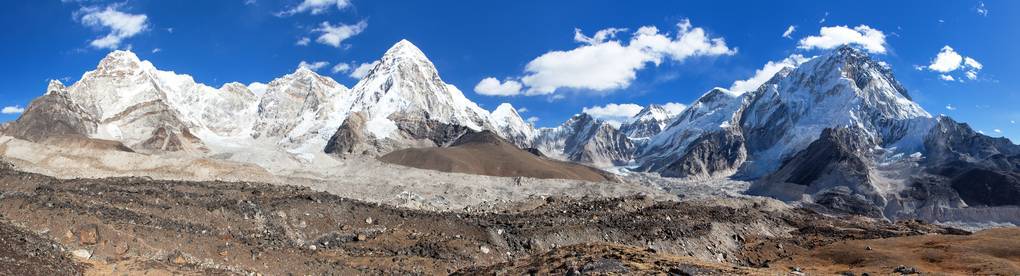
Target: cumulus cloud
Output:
[
  {"x": 12, "y": 110},
  {"x": 605, "y": 63},
  {"x": 341, "y": 68},
  {"x": 997, "y": 130},
  {"x": 522, "y": 110},
  {"x": 314, "y": 66},
  {"x": 156, "y": 50},
  {"x": 950, "y": 107},
  {"x": 334, "y": 35},
  {"x": 981, "y": 9},
  {"x": 766, "y": 72},
  {"x": 532, "y": 119},
  {"x": 674, "y": 108},
  {"x": 303, "y": 41},
  {"x": 869, "y": 38},
  {"x": 614, "y": 113},
  {"x": 599, "y": 37},
  {"x": 315, "y": 7},
  {"x": 789, "y": 31},
  {"x": 120, "y": 25},
  {"x": 493, "y": 87},
  {"x": 948, "y": 61},
  {"x": 362, "y": 70}
]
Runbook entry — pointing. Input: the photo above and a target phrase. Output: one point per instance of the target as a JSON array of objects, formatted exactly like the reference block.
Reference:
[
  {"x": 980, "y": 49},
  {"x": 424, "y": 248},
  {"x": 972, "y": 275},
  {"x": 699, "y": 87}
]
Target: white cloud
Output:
[
  {"x": 824, "y": 18},
  {"x": 972, "y": 63},
  {"x": 303, "y": 41},
  {"x": 971, "y": 75},
  {"x": 121, "y": 25},
  {"x": 869, "y": 38},
  {"x": 156, "y": 50},
  {"x": 604, "y": 63},
  {"x": 249, "y": 2},
  {"x": 522, "y": 110},
  {"x": 613, "y": 113},
  {"x": 997, "y": 130},
  {"x": 789, "y": 31},
  {"x": 12, "y": 110},
  {"x": 334, "y": 35},
  {"x": 1012, "y": 122},
  {"x": 532, "y": 119},
  {"x": 981, "y": 9},
  {"x": 341, "y": 68},
  {"x": 765, "y": 73},
  {"x": 314, "y": 66},
  {"x": 599, "y": 37},
  {"x": 493, "y": 87},
  {"x": 950, "y": 107},
  {"x": 362, "y": 70},
  {"x": 674, "y": 108},
  {"x": 315, "y": 7},
  {"x": 948, "y": 61}
]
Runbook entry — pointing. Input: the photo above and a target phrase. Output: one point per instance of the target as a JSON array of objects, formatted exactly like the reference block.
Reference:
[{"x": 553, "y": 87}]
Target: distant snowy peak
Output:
[
  {"x": 650, "y": 121},
  {"x": 586, "y": 139},
  {"x": 509, "y": 124}
]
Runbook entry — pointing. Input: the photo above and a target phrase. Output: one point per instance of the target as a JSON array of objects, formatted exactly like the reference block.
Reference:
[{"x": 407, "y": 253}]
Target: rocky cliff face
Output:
[
  {"x": 509, "y": 125},
  {"x": 586, "y": 139},
  {"x": 647, "y": 123}
]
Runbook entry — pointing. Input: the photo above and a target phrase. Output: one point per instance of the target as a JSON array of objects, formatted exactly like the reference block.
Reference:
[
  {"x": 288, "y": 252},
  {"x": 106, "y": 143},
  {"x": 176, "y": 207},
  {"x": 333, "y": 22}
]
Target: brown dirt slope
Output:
[
  {"x": 988, "y": 252},
  {"x": 26, "y": 253},
  {"x": 609, "y": 259},
  {"x": 485, "y": 153}
]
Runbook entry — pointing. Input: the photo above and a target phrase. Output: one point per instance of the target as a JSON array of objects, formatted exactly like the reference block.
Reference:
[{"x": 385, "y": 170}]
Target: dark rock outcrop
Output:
[
  {"x": 53, "y": 114},
  {"x": 713, "y": 153}
]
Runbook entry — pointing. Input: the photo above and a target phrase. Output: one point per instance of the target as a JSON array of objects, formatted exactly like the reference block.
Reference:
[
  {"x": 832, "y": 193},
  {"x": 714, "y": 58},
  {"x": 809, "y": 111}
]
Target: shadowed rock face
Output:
[
  {"x": 717, "y": 152},
  {"x": 413, "y": 131},
  {"x": 53, "y": 114},
  {"x": 349, "y": 136},
  {"x": 833, "y": 169},
  {"x": 485, "y": 153},
  {"x": 982, "y": 170}
]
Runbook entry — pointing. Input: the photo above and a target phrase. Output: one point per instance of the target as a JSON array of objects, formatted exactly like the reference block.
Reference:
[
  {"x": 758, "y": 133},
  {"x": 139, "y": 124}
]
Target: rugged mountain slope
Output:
[
  {"x": 406, "y": 104},
  {"x": 586, "y": 139},
  {"x": 52, "y": 115},
  {"x": 509, "y": 125},
  {"x": 647, "y": 123},
  {"x": 984, "y": 171},
  {"x": 485, "y": 153},
  {"x": 842, "y": 88},
  {"x": 685, "y": 147}
]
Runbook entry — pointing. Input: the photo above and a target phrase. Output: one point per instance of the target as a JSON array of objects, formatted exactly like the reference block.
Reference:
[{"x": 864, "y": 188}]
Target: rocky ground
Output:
[{"x": 136, "y": 225}]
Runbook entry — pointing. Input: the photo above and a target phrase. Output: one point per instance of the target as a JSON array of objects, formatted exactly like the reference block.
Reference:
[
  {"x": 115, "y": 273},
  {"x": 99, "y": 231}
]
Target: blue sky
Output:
[{"x": 255, "y": 41}]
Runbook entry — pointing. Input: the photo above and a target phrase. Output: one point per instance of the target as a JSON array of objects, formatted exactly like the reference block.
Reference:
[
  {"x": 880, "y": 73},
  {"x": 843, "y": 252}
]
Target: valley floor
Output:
[
  {"x": 135, "y": 225},
  {"x": 77, "y": 207}
]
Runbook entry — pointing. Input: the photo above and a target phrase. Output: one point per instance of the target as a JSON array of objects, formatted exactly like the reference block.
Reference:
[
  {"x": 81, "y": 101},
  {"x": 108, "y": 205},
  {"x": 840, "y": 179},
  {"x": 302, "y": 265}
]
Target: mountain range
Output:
[{"x": 837, "y": 132}]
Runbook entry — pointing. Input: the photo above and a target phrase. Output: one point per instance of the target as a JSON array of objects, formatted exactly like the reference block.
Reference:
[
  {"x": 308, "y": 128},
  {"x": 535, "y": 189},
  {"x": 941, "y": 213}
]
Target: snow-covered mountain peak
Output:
[
  {"x": 122, "y": 61},
  {"x": 505, "y": 111},
  {"x": 55, "y": 86},
  {"x": 509, "y": 124},
  {"x": 406, "y": 82},
  {"x": 404, "y": 49}
]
